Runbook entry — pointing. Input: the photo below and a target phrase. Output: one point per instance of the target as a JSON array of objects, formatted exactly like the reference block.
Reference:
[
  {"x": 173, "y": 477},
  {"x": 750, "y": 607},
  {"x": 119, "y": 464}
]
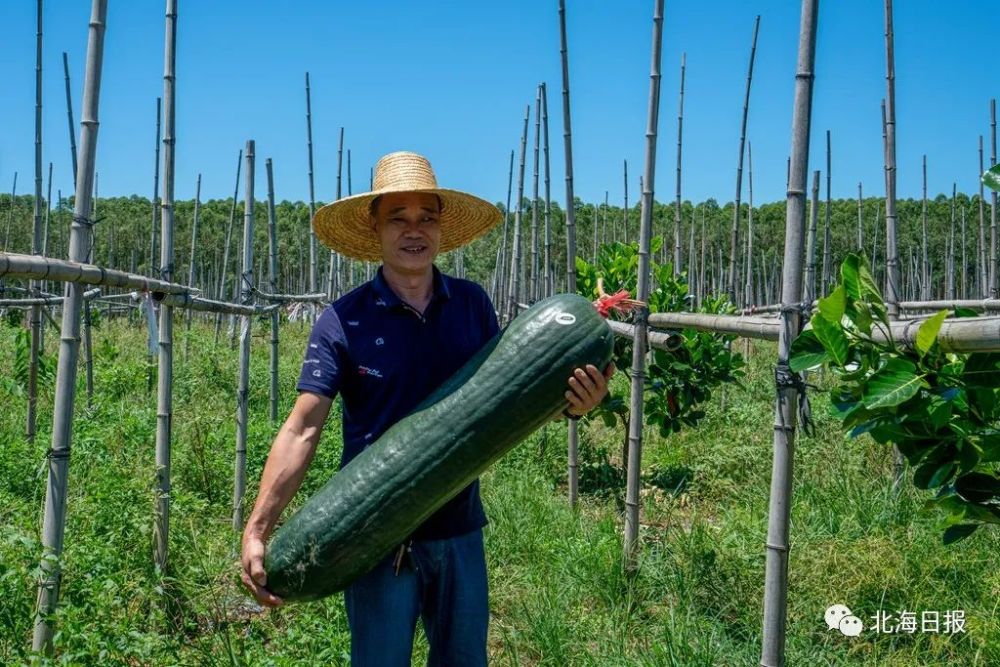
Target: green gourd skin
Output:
[{"x": 510, "y": 388}]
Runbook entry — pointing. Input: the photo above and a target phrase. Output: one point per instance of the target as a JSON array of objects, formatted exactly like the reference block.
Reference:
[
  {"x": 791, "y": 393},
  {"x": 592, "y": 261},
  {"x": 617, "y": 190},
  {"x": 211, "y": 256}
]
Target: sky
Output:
[{"x": 451, "y": 79}]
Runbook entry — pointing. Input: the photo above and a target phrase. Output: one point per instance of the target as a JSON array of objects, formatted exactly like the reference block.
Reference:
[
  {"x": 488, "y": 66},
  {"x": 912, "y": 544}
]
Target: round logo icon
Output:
[{"x": 565, "y": 318}]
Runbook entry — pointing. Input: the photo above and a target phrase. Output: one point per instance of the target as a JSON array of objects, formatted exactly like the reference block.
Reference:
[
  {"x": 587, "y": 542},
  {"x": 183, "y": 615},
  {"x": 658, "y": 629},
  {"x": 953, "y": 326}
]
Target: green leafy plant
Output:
[
  {"x": 940, "y": 409},
  {"x": 22, "y": 363},
  {"x": 677, "y": 382}
]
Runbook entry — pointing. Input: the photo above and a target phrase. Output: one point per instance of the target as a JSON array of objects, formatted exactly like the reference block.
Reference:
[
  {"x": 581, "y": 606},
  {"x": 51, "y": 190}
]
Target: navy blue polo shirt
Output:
[{"x": 384, "y": 358}]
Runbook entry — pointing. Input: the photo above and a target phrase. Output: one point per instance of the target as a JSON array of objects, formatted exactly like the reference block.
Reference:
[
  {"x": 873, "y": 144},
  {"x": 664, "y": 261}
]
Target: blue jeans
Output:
[{"x": 444, "y": 583}]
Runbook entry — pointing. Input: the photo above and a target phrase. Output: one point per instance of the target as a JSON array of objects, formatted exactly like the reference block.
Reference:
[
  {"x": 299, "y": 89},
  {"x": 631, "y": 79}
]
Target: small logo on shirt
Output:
[
  {"x": 380, "y": 301},
  {"x": 373, "y": 372},
  {"x": 352, "y": 323},
  {"x": 313, "y": 345},
  {"x": 310, "y": 361},
  {"x": 316, "y": 373},
  {"x": 380, "y": 341}
]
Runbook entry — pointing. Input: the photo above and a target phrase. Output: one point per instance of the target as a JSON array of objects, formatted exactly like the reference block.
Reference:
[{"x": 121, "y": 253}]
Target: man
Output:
[{"x": 384, "y": 347}]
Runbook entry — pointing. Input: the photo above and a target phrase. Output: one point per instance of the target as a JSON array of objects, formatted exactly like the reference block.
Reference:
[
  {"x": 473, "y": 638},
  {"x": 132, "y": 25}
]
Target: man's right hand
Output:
[{"x": 253, "y": 575}]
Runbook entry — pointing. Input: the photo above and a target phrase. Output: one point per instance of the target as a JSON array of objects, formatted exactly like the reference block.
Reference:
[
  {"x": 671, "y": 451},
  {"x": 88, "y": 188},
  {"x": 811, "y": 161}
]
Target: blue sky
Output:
[{"x": 451, "y": 79}]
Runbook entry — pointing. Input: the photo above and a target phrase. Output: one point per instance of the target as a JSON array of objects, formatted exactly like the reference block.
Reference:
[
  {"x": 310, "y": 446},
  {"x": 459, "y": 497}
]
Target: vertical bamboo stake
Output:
[
  {"x": 164, "y": 389},
  {"x": 949, "y": 264},
  {"x": 333, "y": 276},
  {"x": 191, "y": 263},
  {"x": 10, "y": 213},
  {"x": 677, "y": 205},
  {"x": 642, "y": 289},
  {"x": 891, "y": 251},
  {"x": 223, "y": 268},
  {"x": 734, "y": 245},
  {"x": 549, "y": 276},
  {"x": 533, "y": 294},
  {"x": 748, "y": 296},
  {"x": 156, "y": 193},
  {"x": 69, "y": 115},
  {"x": 982, "y": 272},
  {"x": 965, "y": 260},
  {"x": 58, "y": 456},
  {"x": 515, "y": 264},
  {"x": 35, "y": 316},
  {"x": 861, "y": 233},
  {"x": 272, "y": 279},
  {"x": 701, "y": 262},
  {"x": 242, "y": 391},
  {"x": 993, "y": 201},
  {"x": 779, "y": 509},
  {"x": 809, "y": 288},
  {"x": 312, "y": 193},
  {"x": 625, "y": 205},
  {"x": 45, "y": 242},
  {"x": 691, "y": 263},
  {"x": 573, "y": 434},
  {"x": 825, "y": 279},
  {"x": 925, "y": 291},
  {"x": 503, "y": 252}
]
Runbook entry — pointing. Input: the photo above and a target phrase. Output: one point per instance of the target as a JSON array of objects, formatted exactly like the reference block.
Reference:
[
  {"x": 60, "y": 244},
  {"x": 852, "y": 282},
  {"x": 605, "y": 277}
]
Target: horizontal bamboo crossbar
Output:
[
  {"x": 46, "y": 300},
  {"x": 46, "y": 268}
]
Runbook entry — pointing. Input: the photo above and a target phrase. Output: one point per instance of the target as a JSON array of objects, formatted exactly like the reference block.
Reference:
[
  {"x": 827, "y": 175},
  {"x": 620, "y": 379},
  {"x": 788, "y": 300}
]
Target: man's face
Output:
[{"x": 409, "y": 230}]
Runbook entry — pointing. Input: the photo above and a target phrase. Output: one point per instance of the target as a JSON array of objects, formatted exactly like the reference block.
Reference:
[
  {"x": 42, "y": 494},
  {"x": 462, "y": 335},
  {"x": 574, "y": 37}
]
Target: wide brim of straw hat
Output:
[{"x": 346, "y": 225}]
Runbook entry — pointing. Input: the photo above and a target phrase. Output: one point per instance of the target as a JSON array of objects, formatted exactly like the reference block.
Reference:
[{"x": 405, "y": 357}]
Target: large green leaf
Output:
[
  {"x": 928, "y": 331},
  {"x": 982, "y": 370},
  {"x": 849, "y": 276},
  {"x": 991, "y": 178},
  {"x": 807, "y": 352},
  {"x": 832, "y": 337},
  {"x": 977, "y": 487},
  {"x": 894, "y": 383},
  {"x": 959, "y": 531},
  {"x": 832, "y": 307}
]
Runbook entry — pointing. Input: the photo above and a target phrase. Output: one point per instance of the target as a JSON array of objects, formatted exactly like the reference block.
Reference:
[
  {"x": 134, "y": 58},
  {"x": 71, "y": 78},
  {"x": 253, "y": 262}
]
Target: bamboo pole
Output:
[
  {"x": 333, "y": 274},
  {"x": 35, "y": 317},
  {"x": 69, "y": 114},
  {"x": 272, "y": 279},
  {"x": 861, "y": 228},
  {"x": 639, "y": 342},
  {"x": 30, "y": 266},
  {"x": 701, "y": 263},
  {"x": 156, "y": 191},
  {"x": 625, "y": 205},
  {"x": 192, "y": 261},
  {"x": 993, "y": 201},
  {"x": 925, "y": 289},
  {"x": 58, "y": 456},
  {"x": 515, "y": 263},
  {"x": 779, "y": 508},
  {"x": 677, "y": 204},
  {"x": 748, "y": 295},
  {"x": 243, "y": 382},
  {"x": 312, "y": 191},
  {"x": 223, "y": 268},
  {"x": 739, "y": 167},
  {"x": 809, "y": 287},
  {"x": 949, "y": 264},
  {"x": 533, "y": 290},
  {"x": 891, "y": 250},
  {"x": 164, "y": 389},
  {"x": 965, "y": 259},
  {"x": 573, "y": 432},
  {"x": 982, "y": 270},
  {"x": 503, "y": 287},
  {"x": 549, "y": 276},
  {"x": 827, "y": 262}
]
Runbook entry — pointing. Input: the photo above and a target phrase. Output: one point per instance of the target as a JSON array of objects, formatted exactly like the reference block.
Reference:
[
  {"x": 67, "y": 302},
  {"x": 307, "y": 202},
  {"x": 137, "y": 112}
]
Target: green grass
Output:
[{"x": 558, "y": 593}]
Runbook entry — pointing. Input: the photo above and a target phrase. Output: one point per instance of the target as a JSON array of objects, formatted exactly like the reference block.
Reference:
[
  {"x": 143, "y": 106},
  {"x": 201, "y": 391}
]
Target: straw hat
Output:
[{"x": 346, "y": 224}]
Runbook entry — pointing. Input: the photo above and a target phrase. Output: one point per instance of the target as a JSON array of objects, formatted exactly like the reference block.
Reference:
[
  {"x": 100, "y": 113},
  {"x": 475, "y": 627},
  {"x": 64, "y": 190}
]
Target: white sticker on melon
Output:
[{"x": 565, "y": 318}]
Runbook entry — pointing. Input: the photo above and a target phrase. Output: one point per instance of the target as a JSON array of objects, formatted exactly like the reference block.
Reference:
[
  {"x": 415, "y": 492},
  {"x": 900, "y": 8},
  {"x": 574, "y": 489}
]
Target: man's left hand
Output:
[{"x": 588, "y": 387}]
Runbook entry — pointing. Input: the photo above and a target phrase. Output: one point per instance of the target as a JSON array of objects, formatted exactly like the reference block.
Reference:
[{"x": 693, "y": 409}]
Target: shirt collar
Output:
[{"x": 384, "y": 293}]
